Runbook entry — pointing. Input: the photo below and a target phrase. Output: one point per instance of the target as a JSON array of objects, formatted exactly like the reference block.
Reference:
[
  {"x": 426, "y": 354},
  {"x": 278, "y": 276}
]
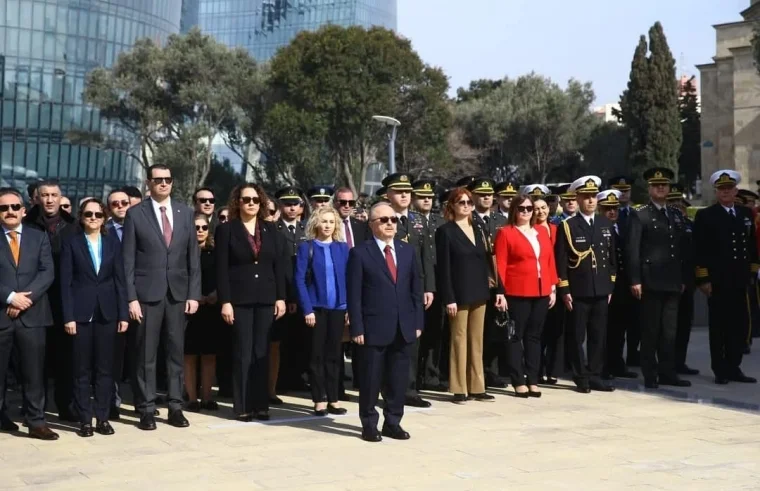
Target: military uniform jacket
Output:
[
  {"x": 432, "y": 222},
  {"x": 621, "y": 278},
  {"x": 726, "y": 250},
  {"x": 413, "y": 230},
  {"x": 494, "y": 223},
  {"x": 293, "y": 240},
  {"x": 655, "y": 249},
  {"x": 689, "y": 254},
  {"x": 585, "y": 257}
]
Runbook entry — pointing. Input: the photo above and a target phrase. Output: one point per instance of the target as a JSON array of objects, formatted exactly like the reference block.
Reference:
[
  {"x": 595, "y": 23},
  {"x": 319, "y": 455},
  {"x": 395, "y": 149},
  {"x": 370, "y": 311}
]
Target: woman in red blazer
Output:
[{"x": 525, "y": 260}]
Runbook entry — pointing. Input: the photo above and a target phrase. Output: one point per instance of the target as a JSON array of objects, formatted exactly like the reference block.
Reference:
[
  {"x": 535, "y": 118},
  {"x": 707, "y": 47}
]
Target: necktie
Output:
[
  {"x": 591, "y": 222},
  {"x": 167, "y": 226},
  {"x": 731, "y": 212},
  {"x": 347, "y": 230},
  {"x": 14, "y": 245},
  {"x": 624, "y": 213},
  {"x": 292, "y": 229},
  {"x": 485, "y": 219},
  {"x": 403, "y": 219},
  {"x": 389, "y": 261}
]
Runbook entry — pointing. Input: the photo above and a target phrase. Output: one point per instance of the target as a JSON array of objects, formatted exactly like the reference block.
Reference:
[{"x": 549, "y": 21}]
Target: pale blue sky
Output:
[{"x": 591, "y": 40}]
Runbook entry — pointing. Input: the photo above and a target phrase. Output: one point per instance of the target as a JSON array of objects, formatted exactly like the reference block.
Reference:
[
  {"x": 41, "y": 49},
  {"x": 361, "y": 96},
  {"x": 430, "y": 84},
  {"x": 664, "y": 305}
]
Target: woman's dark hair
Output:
[
  {"x": 80, "y": 213},
  {"x": 220, "y": 210},
  {"x": 234, "y": 204},
  {"x": 518, "y": 201},
  {"x": 455, "y": 195},
  {"x": 209, "y": 243}
]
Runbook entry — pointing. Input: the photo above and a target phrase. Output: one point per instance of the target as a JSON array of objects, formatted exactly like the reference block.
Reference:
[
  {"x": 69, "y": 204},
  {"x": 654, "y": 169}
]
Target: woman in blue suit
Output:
[
  {"x": 94, "y": 299},
  {"x": 321, "y": 284}
]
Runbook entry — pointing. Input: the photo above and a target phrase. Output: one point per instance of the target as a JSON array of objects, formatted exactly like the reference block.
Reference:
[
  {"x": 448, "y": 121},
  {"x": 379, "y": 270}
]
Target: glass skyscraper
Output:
[
  {"x": 262, "y": 26},
  {"x": 46, "y": 49}
]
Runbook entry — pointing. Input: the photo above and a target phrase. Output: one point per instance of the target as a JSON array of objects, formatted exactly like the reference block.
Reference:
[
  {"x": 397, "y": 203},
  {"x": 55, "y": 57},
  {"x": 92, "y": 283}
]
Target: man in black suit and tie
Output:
[
  {"x": 386, "y": 312},
  {"x": 26, "y": 273},
  {"x": 162, "y": 267}
]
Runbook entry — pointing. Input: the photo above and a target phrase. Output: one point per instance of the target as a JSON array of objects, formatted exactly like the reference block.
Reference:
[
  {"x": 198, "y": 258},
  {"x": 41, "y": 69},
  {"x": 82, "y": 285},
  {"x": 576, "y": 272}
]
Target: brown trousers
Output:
[{"x": 466, "y": 357}]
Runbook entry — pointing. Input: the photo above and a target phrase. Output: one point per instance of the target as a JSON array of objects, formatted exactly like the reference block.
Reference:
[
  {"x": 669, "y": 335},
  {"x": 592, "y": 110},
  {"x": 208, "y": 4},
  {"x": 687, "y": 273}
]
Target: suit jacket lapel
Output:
[
  {"x": 85, "y": 249},
  {"x": 374, "y": 251},
  {"x": 177, "y": 226},
  {"x": 7, "y": 249},
  {"x": 147, "y": 208}
]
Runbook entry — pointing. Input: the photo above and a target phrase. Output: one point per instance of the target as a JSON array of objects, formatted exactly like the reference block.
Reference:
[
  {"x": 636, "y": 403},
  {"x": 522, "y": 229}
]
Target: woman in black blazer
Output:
[
  {"x": 463, "y": 269},
  {"x": 251, "y": 264},
  {"x": 94, "y": 301}
]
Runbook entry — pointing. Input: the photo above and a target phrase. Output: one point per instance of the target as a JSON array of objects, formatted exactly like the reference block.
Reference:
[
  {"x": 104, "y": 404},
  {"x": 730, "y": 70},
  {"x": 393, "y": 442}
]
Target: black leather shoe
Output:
[
  {"x": 674, "y": 381},
  {"x": 177, "y": 419},
  {"x": 320, "y": 412},
  {"x": 686, "y": 370},
  {"x": 740, "y": 377},
  {"x": 371, "y": 435},
  {"x": 43, "y": 433},
  {"x": 147, "y": 423},
  {"x": 339, "y": 411},
  {"x": 416, "y": 401},
  {"x": 626, "y": 374},
  {"x": 6, "y": 424},
  {"x": 522, "y": 395},
  {"x": 721, "y": 380},
  {"x": 484, "y": 397},
  {"x": 104, "y": 428},
  {"x": 534, "y": 393},
  {"x": 550, "y": 381},
  {"x": 651, "y": 383},
  {"x": 114, "y": 414},
  {"x": 245, "y": 418},
  {"x": 275, "y": 401},
  {"x": 262, "y": 415},
  {"x": 395, "y": 432},
  {"x": 459, "y": 399},
  {"x": 599, "y": 386},
  {"x": 85, "y": 431},
  {"x": 582, "y": 388}
]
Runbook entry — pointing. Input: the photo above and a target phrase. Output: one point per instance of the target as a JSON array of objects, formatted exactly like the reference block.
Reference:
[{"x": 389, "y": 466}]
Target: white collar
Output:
[
  {"x": 17, "y": 230},
  {"x": 381, "y": 244}
]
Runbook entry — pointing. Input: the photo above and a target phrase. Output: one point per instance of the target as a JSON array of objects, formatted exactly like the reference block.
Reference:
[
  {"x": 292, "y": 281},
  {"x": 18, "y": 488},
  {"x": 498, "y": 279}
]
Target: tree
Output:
[
  {"x": 690, "y": 158},
  {"x": 477, "y": 89},
  {"x": 222, "y": 178},
  {"x": 649, "y": 108},
  {"x": 605, "y": 153}
]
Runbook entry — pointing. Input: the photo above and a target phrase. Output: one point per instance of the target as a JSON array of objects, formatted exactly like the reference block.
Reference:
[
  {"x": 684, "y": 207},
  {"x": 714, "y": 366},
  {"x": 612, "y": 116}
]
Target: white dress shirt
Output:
[
  {"x": 8, "y": 238},
  {"x": 169, "y": 213},
  {"x": 381, "y": 244},
  {"x": 588, "y": 218}
]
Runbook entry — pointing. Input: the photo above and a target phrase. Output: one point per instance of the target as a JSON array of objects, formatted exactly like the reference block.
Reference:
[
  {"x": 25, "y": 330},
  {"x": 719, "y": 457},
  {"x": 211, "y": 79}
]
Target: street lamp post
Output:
[{"x": 394, "y": 124}]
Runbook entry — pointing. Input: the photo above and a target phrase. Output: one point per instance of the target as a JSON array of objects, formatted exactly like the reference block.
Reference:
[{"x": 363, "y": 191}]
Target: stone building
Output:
[{"x": 730, "y": 90}]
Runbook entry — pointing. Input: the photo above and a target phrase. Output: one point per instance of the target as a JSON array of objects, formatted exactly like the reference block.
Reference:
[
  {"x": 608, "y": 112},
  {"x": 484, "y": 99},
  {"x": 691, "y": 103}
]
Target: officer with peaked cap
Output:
[
  {"x": 381, "y": 194},
  {"x": 750, "y": 197},
  {"x": 482, "y": 190},
  {"x": 319, "y": 196},
  {"x": 586, "y": 266},
  {"x": 568, "y": 201},
  {"x": 623, "y": 184},
  {"x": 658, "y": 269},
  {"x": 727, "y": 262},
  {"x": 535, "y": 191},
  {"x": 505, "y": 191}
]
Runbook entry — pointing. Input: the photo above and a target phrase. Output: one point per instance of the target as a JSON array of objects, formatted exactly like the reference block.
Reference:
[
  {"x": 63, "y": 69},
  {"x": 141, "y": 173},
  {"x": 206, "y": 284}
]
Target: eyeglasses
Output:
[
  {"x": 14, "y": 207},
  {"x": 464, "y": 202},
  {"x": 321, "y": 200},
  {"x": 119, "y": 203},
  {"x": 347, "y": 202},
  {"x": 162, "y": 180},
  {"x": 272, "y": 212},
  {"x": 66, "y": 206},
  {"x": 96, "y": 214},
  {"x": 198, "y": 228},
  {"x": 393, "y": 219},
  {"x": 525, "y": 209},
  {"x": 250, "y": 199},
  {"x": 204, "y": 201},
  {"x": 222, "y": 218}
]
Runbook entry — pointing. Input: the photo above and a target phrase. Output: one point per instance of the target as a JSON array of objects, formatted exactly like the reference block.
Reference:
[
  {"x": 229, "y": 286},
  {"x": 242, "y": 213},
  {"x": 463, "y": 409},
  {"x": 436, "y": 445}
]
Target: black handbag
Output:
[{"x": 505, "y": 326}]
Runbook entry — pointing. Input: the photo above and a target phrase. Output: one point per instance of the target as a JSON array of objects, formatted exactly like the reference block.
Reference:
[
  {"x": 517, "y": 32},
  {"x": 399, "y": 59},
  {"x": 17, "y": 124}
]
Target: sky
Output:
[{"x": 589, "y": 40}]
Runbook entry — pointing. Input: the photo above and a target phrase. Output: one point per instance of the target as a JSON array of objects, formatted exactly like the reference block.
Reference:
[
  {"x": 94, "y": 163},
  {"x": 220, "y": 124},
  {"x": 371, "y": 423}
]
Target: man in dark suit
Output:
[
  {"x": 48, "y": 216},
  {"x": 385, "y": 309},
  {"x": 26, "y": 273},
  {"x": 162, "y": 267}
]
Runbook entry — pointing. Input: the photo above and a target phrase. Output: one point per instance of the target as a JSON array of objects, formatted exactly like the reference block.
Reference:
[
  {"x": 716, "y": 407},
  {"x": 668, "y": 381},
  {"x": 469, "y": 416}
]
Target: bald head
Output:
[{"x": 380, "y": 217}]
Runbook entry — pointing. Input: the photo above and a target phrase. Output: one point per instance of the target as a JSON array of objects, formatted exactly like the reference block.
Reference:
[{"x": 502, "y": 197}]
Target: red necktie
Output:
[
  {"x": 389, "y": 261},
  {"x": 347, "y": 229},
  {"x": 167, "y": 226}
]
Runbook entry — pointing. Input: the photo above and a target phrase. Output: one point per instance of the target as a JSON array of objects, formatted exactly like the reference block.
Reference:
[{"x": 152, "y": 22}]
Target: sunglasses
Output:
[
  {"x": 525, "y": 209},
  {"x": 204, "y": 201},
  {"x": 250, "y": 199},
  {"x": 272, "y": 212},
  {"x": 321, "y": 200},
  {"x": 222, "y": 218},
  {"x": 66, "y": 206},
  {"x": 347, "y": 202},
  {"x": 198, "y": 228},
  {"x": 393, "y": 219},
  {"x": 96, "y": 214},
  {"x": 464, "y": 202},
  {"x": 14, "y": 207},
  {"x": 119, "y": 203},
  {"x": 162, "y": 180}
]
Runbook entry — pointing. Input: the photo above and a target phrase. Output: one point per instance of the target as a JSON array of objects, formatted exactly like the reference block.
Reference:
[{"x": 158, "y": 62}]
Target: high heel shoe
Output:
[{"x": 534, "y": 393}]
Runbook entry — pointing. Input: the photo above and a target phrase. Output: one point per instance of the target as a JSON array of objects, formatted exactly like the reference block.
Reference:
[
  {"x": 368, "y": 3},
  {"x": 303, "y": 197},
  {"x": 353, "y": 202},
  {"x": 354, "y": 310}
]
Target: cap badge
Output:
[
  {"x": 658, "y": 175},
  {"x": 321, "y": 190},
  {"x": 427, "y": 186},
  {"x": 403, "y": 178}
]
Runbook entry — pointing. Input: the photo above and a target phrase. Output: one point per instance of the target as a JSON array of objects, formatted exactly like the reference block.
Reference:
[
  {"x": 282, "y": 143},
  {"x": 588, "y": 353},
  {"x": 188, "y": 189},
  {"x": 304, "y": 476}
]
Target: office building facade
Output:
[{"x": 47, "y": 47}]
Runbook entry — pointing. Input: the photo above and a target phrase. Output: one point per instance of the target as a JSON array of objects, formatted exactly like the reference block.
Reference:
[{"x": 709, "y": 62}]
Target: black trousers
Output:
[
  {"x": 754, "y": 313},
  {"x": 494, "y": 347},
  {"x": 250, "y": 357},
  {"x": 587, "y": 322},
  {"x": 224, "y": 361},
  {"x": 167, "y": 316},
  {"x": 622, "y": 316},
  {"x": 58, "y": 364},
  {"x": 93, "y": 366},
  {"x": 728, "y": 328},
  {"x": 383, "y": 367},
  {"x": 294, "y": 351},
  {"x": 553, "y": 341},
  {"x": 659, "y": 320},
  {"x": 29, "y": 345},
  {"x": 326, "y": 355},
  {"x": 121, "y": 363},
  {"x": 524, "y": 350},
  {"x": 431, "y": 346},
  {"x": 683, "y": 331}
]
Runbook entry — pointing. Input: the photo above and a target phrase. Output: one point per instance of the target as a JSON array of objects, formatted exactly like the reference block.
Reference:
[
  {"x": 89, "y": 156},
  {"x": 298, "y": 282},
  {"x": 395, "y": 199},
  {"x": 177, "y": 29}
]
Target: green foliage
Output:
[
  {"x": 605, "y": 153},
  {"x": 477, "y": 89},
  {"x": 222, "y": 178},
  {"x": 690, "y": 158}
]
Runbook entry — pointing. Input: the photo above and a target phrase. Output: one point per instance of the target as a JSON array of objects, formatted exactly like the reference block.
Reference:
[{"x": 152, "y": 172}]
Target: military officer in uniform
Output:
[
  {"x": 411, "y": 228},
  {"x": 726, "y": 257},
  {"x": 569, "y": 203},
  {"x": 686, "y": 304},
  {"x": 657, "y": 272},
  {"x": 381, "y": 194},
  {"x": 749, "y": 200},
  {"x": 535, "y": 191},
  {"x": 319, "y": 196},
  {"x": 432, "y": 348},
  {"x": 586, "y": 267},
  {"x": 552, "y": 199},
  {"x": 505, "y": 191}
]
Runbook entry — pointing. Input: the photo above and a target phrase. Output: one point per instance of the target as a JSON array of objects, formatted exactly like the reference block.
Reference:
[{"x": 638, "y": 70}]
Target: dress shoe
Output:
[
  {"x": 6, "y": 424},
  {"x": 85, "y": 431},
  {"x": 104, "y": 428},
  {"x": 721, "y": 380},
  {"x": 395, "y": 432},
  {"x": 626, "y": 374},
  {"x": 550, "y": 381},
  {"x": 245, "y": 418},
  {"x": 338, "y": 411},
  {"x": 599, "y": 386},
  {"x": 147, "y": 422},
  {"x": 651, "y": 383},
  {"x": 193, "y": 406},
  {"x": 674, "y": 382},
  {"x": 275, "y": 401},
  {"x": 534, "y": 393},
  {"x": 522, "y": 395},
  {"x": 177, "y": 419},
  {"x": 209, "y": 406},
  {"x": 43, "y": 433},
  {"x": 114, "y": 414},
  {"x": 416, "y": 401},
  {"x": 484, "y": 397},
  {"x": 686, "y": 370},
  {"x": 459, "y": 399},
  {"x": 320, "y": 412},
  {"x": 371, "y": 435},
  {"x": 262, "y": 415},
  {"x": 740, "y": 377}
]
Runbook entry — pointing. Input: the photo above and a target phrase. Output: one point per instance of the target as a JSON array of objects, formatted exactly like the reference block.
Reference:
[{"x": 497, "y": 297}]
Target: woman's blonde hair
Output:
[{"x": 316, "y": 217}]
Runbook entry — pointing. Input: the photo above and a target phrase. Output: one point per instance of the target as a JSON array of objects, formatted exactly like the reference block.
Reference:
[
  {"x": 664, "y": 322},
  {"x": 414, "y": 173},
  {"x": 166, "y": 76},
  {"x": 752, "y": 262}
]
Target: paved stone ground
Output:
[{"x": 705, "y": 438}]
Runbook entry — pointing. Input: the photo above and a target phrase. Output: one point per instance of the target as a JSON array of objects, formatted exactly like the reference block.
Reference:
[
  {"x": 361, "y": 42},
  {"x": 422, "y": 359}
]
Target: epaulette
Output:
[{"x": 640, "y": 207}]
